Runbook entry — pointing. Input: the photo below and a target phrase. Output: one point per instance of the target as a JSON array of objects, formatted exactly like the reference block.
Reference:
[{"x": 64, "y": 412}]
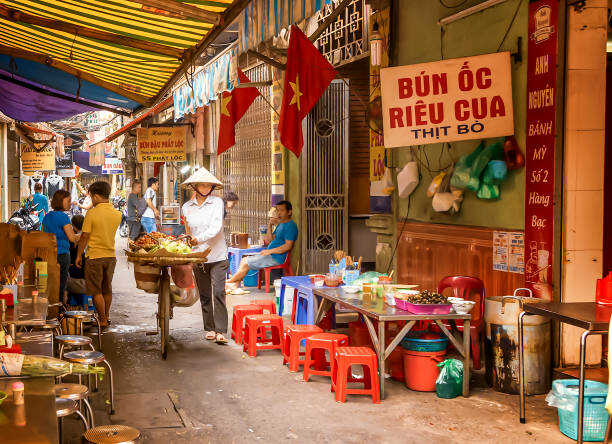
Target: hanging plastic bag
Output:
[
  {"x": 407, "y": 179},
  {"x": 461, "y": 176},
  {"x": 488, "y": 191},
  {"x": 434, "y": 186},
  {"x": 450, "y": 380},
  {"x": 495, "y": 172}
]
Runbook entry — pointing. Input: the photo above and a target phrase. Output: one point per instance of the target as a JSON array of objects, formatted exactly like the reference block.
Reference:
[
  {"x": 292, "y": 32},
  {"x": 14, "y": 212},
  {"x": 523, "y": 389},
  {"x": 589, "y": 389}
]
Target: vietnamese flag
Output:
[
  {"x": 307, "y": 77},
  {"x": 233, "y": 106}
]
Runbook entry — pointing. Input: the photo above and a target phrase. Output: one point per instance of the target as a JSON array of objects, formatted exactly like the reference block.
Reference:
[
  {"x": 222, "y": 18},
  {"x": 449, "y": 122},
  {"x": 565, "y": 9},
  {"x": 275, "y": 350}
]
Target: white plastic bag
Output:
[
  {"x": 407, "y": 179},
  {"x": 447, "y": 202}
]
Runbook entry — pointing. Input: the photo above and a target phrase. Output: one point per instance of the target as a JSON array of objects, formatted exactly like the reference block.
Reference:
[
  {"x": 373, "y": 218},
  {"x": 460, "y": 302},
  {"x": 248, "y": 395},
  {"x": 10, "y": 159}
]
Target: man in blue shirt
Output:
[
  {"x": 41, "y": 202},
  {"x": 278, "y": 243}
]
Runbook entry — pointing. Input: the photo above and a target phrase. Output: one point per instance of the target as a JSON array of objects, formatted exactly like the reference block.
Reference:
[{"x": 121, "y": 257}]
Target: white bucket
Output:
[{"x": 288, "y": 305}]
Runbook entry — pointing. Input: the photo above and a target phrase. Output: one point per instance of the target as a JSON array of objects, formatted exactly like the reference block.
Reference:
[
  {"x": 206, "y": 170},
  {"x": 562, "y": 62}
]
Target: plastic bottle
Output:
[{"x": 18, "y": 396}]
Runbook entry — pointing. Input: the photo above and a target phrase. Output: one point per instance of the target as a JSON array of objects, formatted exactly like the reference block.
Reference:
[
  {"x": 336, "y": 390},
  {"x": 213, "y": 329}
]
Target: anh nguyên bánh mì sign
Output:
[{"x": 449, "y": 100}]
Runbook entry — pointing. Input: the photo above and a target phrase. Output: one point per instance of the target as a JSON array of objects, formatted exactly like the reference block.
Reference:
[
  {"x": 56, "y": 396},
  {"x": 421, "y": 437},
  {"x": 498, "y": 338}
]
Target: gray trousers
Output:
[{"x": 210, "y": 279}]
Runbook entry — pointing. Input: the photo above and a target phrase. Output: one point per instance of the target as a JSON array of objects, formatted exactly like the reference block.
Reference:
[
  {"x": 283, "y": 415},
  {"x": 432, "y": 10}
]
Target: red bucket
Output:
[{"x": 421, "y": 369}]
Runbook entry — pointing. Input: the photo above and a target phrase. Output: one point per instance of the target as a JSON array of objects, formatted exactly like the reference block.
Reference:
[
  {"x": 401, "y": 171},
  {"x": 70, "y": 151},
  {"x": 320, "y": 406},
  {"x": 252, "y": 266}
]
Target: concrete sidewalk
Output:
[{"x": 206, "y": 392}]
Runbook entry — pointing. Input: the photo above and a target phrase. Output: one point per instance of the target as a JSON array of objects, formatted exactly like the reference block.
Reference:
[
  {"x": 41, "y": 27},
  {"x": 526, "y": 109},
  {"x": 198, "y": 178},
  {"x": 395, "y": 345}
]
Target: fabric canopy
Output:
[
  {"x": 118, "y": 52},
  {"x": 21, "y": 103}
]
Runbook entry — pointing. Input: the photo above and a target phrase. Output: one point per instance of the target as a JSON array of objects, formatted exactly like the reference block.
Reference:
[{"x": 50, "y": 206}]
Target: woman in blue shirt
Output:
[{"x": 57, "y": 222}]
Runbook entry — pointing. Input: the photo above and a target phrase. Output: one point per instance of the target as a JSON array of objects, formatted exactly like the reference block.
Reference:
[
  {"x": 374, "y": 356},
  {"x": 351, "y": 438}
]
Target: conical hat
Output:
[{"x": 202, "y": 175}]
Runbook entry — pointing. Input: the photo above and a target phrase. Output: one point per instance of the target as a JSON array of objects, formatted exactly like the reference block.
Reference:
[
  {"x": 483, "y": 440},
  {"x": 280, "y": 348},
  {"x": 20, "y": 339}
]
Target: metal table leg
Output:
[
  {"x": 521, "y": 368},
  {"x": 466, "y": 358},
  {"x": 281, "y": 299},
  {"x": 381, "y": 357}
]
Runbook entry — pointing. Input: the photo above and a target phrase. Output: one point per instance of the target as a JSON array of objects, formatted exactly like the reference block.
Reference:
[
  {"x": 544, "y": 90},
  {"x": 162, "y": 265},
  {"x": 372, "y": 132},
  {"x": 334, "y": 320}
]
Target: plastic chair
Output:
[
  {"x": 285, "y": 267},
  {"x": 469, "y": 288}
]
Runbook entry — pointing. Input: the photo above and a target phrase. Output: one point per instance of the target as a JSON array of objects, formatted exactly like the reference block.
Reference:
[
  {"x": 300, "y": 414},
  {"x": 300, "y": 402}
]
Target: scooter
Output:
[
  {"x": 26, "y": 217},
  {"x": 121, "y": 204}
]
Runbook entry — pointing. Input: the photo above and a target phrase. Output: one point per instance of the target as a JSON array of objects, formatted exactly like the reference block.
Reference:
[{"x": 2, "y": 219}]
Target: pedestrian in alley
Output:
[
  {"x": 57, "y": 222},
  {"x": 204, "y": 223},
  {"x": 99, "y": 228},
  {"x": 230, "y": 199},
  {"x": 279, "y": 241},
  {"x": 136, "y": 207},
  {"x": 151, "y": 213},
  {"x": 41, "y": 202}
]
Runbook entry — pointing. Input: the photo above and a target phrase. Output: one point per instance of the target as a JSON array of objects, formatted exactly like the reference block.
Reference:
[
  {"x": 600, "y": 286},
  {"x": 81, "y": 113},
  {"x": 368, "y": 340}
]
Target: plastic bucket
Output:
[
  {"x": 277, "y": 289},
  {"x": 421, "y": 369}
]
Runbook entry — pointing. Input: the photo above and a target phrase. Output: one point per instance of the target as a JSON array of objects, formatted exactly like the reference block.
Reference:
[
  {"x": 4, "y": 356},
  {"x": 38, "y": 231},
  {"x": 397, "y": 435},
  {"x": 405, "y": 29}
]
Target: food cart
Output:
[{"x": 152, "y": 263}]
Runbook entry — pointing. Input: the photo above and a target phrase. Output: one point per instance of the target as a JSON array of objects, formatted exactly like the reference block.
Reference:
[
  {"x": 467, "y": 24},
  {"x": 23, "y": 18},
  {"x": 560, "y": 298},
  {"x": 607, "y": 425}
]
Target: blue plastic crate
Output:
[{"x": 595, "y": 413}]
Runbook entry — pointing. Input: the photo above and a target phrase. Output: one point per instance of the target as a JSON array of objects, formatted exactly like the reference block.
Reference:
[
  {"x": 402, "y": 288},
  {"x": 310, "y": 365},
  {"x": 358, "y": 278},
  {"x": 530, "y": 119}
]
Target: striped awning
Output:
[{"x": 131, "y": 49}]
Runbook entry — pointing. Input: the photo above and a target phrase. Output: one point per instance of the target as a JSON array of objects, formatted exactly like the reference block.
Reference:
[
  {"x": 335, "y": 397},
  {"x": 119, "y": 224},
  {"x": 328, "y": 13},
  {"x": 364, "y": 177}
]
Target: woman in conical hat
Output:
[{"x": 204, "y": 223}]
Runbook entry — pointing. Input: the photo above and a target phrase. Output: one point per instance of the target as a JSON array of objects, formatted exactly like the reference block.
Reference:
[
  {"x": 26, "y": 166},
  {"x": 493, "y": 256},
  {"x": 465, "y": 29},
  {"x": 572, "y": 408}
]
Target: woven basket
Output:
[{"x": 147, "y": 277}]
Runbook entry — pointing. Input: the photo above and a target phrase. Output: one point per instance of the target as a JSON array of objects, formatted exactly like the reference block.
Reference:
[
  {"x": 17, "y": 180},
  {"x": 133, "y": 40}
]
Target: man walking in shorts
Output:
[{"x": 99, "y": 228}]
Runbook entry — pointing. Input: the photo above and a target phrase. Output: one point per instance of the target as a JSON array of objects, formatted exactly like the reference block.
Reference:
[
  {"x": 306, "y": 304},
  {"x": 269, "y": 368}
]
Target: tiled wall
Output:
[{"x": 583, "y": 167}]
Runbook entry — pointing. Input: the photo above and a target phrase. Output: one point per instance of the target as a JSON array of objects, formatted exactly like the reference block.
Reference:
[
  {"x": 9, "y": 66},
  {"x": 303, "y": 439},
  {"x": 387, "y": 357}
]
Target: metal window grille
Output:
[{"x": 246, "y": 168}]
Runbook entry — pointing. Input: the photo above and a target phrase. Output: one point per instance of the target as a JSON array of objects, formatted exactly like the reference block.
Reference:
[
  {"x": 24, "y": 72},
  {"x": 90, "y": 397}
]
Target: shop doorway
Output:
[{"x": 325, "y": 166}]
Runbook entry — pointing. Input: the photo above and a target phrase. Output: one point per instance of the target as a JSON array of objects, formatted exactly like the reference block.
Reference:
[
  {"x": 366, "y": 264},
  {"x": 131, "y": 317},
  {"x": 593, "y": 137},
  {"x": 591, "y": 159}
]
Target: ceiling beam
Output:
[
  {"x": 14, "y": 15},
  {"x": 228, "y": 16},
  {"x": 264, "y": 58},
  {"x": 62, "y": 66},
  {"x": 183, "y": 9}
]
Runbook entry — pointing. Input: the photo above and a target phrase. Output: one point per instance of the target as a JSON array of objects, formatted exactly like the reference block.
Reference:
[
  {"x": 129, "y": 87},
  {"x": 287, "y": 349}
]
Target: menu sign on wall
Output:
[
  {"x": 540, "y": 146},
  {"x": 455, "y": 99}
]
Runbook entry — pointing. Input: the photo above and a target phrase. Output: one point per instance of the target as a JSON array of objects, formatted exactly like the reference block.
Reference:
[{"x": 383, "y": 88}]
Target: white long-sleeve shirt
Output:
[{"x": 205, "y": 224}]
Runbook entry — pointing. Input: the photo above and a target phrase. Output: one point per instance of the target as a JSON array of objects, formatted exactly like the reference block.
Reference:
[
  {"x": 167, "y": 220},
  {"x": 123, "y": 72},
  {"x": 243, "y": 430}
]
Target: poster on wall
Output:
[
  {"x": 112, "y": 165},
  {"x": 508, "y": 251},
  {"x": 33, "y": 160},
  {"x": 161, "y": 144},
  {"x": 540, "y": 147},
  {"x": 448, "y": 100}
]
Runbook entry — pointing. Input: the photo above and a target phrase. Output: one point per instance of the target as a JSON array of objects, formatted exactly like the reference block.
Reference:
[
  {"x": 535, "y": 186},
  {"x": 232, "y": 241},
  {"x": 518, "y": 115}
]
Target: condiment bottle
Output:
[{"x": 18, "y": 397}]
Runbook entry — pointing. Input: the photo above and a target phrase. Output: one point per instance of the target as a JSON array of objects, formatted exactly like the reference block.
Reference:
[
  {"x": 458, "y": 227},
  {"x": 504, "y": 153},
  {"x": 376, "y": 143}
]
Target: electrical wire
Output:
[
  {"x": 518, "y": 7},
  {"x": 461, "y": 3}
]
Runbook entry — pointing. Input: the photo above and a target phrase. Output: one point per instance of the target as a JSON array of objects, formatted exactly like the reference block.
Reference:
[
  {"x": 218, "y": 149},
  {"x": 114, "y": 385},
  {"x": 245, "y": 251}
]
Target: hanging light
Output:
[{"x": 376, "y": 44}]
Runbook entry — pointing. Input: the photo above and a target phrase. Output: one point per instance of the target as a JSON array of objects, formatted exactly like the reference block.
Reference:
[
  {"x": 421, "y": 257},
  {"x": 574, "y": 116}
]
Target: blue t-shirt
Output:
[
  {"x": 287, "y": 231},
  {"x": 42, "y": 205},
  {"x": 54, "y": 222}
]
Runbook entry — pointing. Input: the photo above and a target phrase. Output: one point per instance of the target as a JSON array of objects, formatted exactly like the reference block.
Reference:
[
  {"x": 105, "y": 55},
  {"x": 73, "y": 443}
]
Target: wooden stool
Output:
[
  {"x": 345, "y": 357},
  {"x": 315, "y": 353},
  {"x": 255, "y": 327},
  {"x": 240, "y": 312},
  {"x": 291, "y": 350}
]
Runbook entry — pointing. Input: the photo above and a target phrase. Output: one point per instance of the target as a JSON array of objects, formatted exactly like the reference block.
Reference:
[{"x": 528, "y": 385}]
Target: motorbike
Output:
[
  {"x": 121, "y": 204},
  {"x": 26, "y": 217}
]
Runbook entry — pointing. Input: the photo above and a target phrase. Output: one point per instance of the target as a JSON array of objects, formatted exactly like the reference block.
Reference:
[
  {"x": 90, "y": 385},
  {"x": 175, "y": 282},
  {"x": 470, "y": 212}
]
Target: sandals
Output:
[
  {"x": 221, "y": 339},
  {"x": 210, "y": 335}
]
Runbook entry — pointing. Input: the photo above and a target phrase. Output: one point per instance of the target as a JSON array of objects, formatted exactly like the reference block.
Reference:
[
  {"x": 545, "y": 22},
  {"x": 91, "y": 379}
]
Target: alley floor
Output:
[{"x": 207, "y": 393}]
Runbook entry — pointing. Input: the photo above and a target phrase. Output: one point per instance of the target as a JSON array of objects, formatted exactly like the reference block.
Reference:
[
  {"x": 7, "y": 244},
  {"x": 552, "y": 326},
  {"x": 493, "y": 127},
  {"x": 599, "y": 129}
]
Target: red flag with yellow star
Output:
[
  {"x": 233, "y": 106},
  {"x": 307, "y": 77}
]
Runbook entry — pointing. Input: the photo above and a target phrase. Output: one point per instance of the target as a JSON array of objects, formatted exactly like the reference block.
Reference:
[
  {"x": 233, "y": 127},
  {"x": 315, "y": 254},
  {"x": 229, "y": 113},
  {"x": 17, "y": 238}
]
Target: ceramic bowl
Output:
[
  {"x": 453, "y": 300},
  {"x": 3, "y": 396},
  {"x": 463, "y": 307},
  {"x": 350, "y": 288}
]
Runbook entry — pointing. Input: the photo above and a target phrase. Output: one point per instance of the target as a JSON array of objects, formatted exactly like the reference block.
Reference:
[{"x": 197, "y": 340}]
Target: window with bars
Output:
[{"x": 245, "y": 168}]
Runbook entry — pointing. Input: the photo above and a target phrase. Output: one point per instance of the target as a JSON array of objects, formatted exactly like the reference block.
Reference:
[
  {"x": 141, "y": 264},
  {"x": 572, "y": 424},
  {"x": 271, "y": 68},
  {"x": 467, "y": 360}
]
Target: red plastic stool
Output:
[
  {"x": 240, "y": 312},
  {"x": 345, "y": 357},
  {"x": 293, "y": 336},
  {"x": 254, "y": 329},
  {"x": 315, "y": 353},
  {"x": 266, "y": 304}
]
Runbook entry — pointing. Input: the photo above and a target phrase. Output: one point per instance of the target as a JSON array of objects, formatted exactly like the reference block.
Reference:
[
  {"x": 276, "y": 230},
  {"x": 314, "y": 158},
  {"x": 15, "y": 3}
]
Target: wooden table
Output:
[
  {"x": 589, "y": 316},
  {"x": 383, "y": 313},
  {"x": 35, "y": 421}
]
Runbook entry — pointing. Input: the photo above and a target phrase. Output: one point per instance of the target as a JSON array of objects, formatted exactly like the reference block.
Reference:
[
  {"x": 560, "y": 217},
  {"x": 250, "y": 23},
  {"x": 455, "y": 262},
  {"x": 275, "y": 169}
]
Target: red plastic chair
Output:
[
  {"x": 469, "y": 288},
  {"x": 285, "y": 266}
]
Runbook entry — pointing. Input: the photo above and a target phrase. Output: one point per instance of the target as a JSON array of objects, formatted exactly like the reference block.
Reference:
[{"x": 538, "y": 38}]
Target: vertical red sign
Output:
[{"x": 540, "y": 147}]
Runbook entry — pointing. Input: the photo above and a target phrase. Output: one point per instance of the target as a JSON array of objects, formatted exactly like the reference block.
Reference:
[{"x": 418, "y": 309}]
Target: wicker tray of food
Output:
[{"x": 161, "y": 249}]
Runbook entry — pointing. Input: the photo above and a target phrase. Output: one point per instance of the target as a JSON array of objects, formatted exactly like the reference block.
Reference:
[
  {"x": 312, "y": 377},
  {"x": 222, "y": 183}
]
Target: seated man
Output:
[{"x": 278, "y": 244}]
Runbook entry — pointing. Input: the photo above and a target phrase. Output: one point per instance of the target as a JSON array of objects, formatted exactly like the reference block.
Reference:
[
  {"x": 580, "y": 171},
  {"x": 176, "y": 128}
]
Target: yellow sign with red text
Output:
[
  {"x": 161, "y": 144},
  {"x": 33, "y": 160}
]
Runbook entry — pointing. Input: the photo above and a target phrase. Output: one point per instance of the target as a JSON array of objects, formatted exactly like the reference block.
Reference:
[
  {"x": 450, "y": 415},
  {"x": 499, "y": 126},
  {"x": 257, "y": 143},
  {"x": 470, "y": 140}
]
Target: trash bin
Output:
[{"x": 501, "y": 346}]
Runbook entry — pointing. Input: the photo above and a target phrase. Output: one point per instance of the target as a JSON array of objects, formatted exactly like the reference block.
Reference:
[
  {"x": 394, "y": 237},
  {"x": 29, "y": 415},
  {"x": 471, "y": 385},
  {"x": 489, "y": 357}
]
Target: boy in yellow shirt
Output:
[{"x": 99, "y": 228}]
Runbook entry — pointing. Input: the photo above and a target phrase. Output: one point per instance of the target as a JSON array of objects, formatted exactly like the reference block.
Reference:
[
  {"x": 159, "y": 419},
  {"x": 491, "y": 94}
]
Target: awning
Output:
[
  {"x": 121, "y": 53},
  {"x": 81, "y": 158}
]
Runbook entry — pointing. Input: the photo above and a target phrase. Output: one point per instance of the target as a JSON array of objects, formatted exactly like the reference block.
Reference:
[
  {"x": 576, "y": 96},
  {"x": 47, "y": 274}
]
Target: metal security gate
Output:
[
  {"x": 325, "y": 179},
  {"x": 246, "y": 168}
]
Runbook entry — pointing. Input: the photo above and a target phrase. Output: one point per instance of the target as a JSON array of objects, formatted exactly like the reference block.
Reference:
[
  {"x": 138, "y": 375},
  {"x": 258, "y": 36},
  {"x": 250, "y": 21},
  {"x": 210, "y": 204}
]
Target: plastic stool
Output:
[
  {"x": 240, "y": 312},
  {"x": 255, "y": 327},
  {"x": 345, "y": 357},
  {"x": 266, "y": 304},
  {"x": 94, "y": 358},
  {"x": 315, "y": 353},
  {"x": 291, "y": 349}
]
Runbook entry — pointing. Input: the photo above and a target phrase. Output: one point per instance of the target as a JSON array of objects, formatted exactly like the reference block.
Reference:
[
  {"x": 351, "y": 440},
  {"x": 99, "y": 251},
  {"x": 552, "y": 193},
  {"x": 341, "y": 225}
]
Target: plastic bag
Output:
[
  {"x": 434, "y": 186},
  {"x": 492, "y": 152},
  {"x": 450, "y": 380},
  {"x": 368, "y": 276},
  {"x": 564, "y": 394},
  {"x": 495, "y": 172},
  {"x": 462, "y": 174},
  {"x": 488, "y": 191},
  {"x": 407, "y": 179}
]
